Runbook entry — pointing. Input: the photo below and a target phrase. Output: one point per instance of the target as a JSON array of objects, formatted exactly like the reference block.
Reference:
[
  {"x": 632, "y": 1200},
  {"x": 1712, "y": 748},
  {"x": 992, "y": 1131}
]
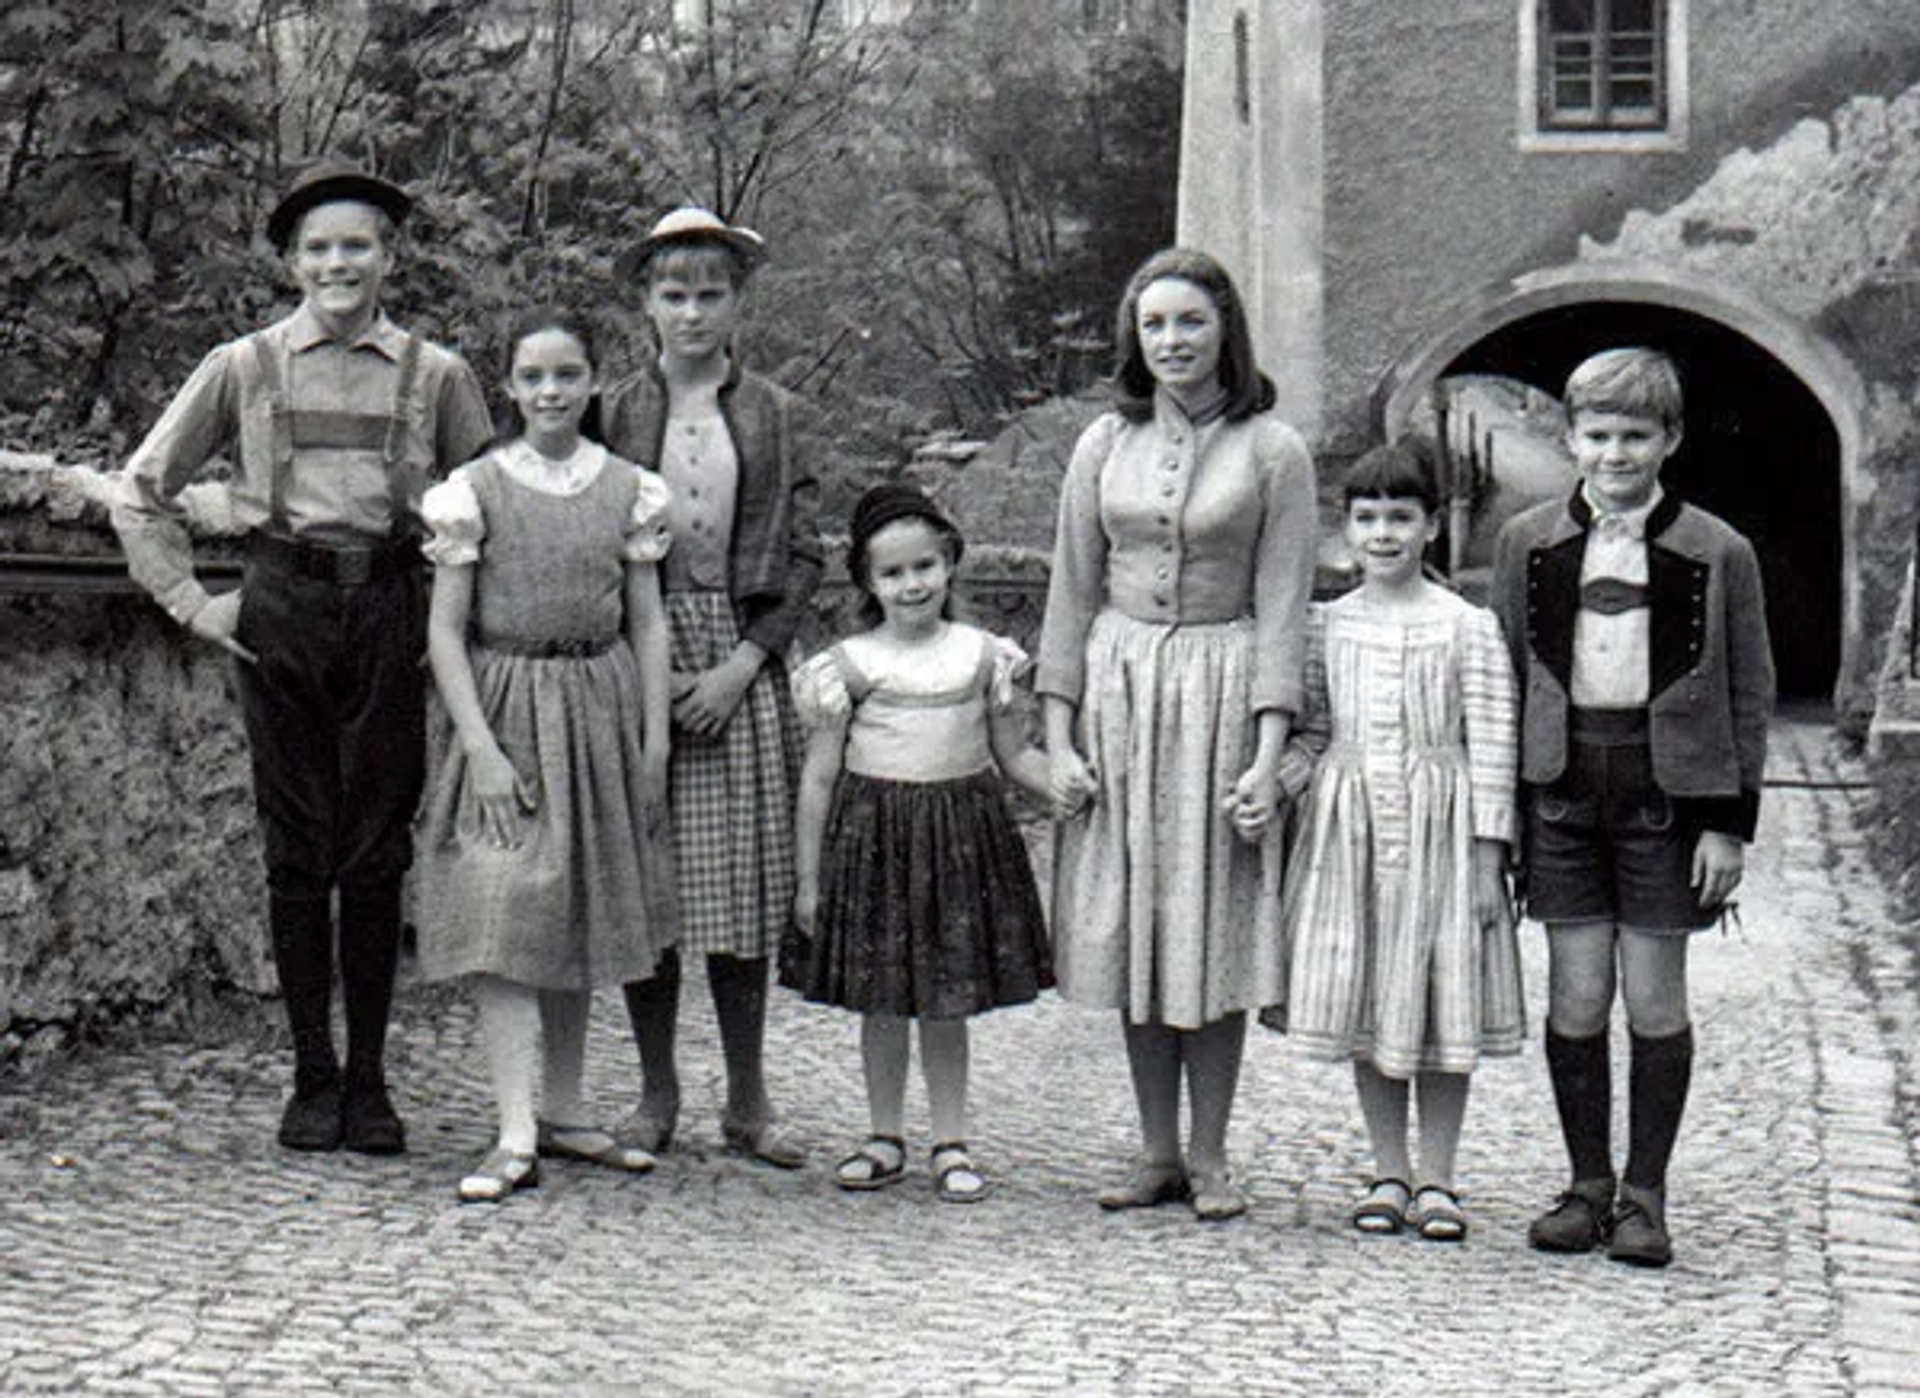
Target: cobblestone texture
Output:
[{"x": 157, "y": 1242}]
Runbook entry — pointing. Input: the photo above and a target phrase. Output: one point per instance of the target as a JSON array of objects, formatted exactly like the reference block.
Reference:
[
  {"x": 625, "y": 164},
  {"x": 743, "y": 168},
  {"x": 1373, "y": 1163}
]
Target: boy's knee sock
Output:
[
  {"x": 1582, "y": 1075},
  {"x": 302, "y": 931},
  {"x": 1661, "y": 1073},
  {"x": 369, "y": 958}
]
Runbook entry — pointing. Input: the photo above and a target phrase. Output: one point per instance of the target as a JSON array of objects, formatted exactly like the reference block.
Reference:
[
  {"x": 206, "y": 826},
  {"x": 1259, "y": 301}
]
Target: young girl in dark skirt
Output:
[{"x": 914, "y": 888}]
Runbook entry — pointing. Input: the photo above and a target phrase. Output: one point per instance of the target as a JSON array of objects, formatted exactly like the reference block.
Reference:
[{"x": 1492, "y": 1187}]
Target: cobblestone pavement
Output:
[{"x": 156, "y": 1241}]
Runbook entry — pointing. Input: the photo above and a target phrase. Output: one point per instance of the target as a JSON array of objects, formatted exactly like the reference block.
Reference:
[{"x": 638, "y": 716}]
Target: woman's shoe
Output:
[
  {"x": 1436, "y": 1215},
  {"x": 1383, "y": 1208},
  {"x": 1146, "y": 1186},
  {"x": 955, "y": 1178},
  {"x": 768, "y": 1142},
  {"x": 594, "y": 1146},
  {"x": 871, "y": 1167},
  {"x": 1216, "y": 1198},
  {"x": 502, "y": 1172}
]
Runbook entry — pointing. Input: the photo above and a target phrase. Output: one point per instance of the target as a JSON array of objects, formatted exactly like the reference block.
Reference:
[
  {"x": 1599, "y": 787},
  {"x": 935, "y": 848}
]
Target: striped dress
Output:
[{"x": 1417, "y": 717}]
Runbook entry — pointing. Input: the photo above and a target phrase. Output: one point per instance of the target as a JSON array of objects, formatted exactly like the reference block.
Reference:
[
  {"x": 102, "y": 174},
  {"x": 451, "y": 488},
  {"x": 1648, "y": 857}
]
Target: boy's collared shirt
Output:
[
  {"x": 1612, "y": 630},
  {"x": 341, "y": 398}
]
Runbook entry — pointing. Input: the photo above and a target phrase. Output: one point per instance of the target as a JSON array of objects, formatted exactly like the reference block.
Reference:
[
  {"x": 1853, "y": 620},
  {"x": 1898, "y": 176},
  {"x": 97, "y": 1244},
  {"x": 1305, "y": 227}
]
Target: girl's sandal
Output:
[
  {"x": 594, "y": 1146},
  {"x": 956, "y": 1180},
  {"x": 1383, "y": 1208},
  {"x": 869, "y": 1168},
  {"x": 1146, "y": 1186},
  {"x": 1216, "y": 1198},
  {"x": 502, "y": 1172},
  {"x": 1436, "y": 1215},
  {"x": 647, "y": 1127}
]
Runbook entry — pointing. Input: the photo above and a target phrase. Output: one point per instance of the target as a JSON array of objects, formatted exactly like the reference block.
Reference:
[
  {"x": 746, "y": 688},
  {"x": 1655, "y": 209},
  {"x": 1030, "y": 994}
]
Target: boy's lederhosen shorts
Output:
[
  {"x": 335, "y": 708},
  {"x": 1604, "y": 843}
]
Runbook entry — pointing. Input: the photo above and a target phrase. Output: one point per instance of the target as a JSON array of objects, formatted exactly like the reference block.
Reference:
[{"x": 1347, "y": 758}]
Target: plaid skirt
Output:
[
  {"x": 927, "y": 902},
  {"x": 732, "y": 795}
]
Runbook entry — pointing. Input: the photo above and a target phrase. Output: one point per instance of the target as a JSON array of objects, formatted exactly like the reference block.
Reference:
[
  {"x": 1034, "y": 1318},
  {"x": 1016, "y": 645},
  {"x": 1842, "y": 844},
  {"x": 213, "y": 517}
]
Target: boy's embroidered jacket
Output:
[
  {"x": 1711, "y": 682},
  {"x": 776, "y": 554}
]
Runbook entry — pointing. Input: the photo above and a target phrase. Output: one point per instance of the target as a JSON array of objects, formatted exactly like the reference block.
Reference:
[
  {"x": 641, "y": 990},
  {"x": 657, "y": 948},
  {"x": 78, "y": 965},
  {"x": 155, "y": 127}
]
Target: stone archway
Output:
[{"x": 1774, "y": 423}]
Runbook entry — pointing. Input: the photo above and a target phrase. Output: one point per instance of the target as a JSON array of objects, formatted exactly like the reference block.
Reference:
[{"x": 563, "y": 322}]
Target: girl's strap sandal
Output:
[
  {"x": 594, "y": 1146},
  {"x": 955, "y": 1178},
  {"x": 1436, "y": 1215},
  {"x": 1383, "y": 1208},
  {"x": 502, "y": 1172},
  {"x": 877, "y": 1164}
]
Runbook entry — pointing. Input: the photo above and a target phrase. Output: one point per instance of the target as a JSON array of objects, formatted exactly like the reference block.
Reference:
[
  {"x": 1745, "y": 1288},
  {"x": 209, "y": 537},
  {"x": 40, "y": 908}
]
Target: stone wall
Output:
[{"x": 129, "y": 864}]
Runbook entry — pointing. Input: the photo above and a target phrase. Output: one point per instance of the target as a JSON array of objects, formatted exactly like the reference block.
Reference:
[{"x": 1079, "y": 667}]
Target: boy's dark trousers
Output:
[{"x": 335, "y": 711}]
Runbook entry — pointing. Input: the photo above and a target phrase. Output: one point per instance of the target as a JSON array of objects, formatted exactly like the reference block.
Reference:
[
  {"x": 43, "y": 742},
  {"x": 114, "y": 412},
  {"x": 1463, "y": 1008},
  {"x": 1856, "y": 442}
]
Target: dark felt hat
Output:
[
  {"x": 325, "y": 181},
  {"x": 890, "y": 501},
  {"x": 690, "y": 224}
]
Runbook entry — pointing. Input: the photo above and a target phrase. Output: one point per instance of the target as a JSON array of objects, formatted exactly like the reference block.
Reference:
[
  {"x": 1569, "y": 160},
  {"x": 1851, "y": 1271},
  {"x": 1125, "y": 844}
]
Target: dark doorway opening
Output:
[{"x": 1759, "y": 451}]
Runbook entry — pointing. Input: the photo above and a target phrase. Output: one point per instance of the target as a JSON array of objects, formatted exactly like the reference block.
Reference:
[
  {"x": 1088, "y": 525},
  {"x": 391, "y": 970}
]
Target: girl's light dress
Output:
[
  {"x": 587, "y": 899},
  {"x": 1417, "y": 719},
  {"x": 928, "y": 905}
]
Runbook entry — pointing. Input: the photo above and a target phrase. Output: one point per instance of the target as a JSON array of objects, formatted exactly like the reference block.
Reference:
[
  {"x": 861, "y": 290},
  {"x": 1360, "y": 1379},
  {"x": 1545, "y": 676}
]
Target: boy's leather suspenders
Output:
[{"x": 291, "y": 428}]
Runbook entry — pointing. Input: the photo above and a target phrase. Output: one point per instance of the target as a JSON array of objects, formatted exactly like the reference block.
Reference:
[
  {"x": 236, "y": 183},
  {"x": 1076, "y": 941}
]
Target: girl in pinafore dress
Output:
[
  {"x": 914, "y": 887},
  {"x": 544, "y": 864},
  {"x": 745, "y": 564},
  {"x": 1403, "y": 951}
]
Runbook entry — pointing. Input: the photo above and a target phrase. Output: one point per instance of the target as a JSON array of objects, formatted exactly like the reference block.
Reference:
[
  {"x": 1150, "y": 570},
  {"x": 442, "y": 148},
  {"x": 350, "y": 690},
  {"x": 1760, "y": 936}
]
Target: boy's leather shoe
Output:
[
  {"x": 1580, "y": 1220},
  {"x": 311, "y": 1120},
  {"x": 368, "y": 1122},
  {"x": 1640, "y": 1229}
]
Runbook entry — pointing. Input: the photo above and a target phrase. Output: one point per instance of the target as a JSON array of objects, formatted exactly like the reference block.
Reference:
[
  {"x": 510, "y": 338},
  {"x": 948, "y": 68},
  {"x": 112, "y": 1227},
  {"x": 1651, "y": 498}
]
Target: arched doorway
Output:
[{"x": 1764, "y": 448}]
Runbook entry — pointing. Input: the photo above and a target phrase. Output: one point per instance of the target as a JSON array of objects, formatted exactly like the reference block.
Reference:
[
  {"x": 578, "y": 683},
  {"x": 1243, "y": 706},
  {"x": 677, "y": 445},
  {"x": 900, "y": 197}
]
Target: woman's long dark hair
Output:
[{"x": 1248, "y": 390}]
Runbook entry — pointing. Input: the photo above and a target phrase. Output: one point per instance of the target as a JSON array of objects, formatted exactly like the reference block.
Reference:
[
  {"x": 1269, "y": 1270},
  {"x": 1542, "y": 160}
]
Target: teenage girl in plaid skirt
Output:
[{"x": 742, "y": 573}]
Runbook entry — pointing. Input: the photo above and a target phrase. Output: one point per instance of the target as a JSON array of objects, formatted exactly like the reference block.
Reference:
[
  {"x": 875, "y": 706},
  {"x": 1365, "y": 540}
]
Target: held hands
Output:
[
  {"x": 217, "y": 621},
  {"x": 1073, "y": 783},
  {"x": 806, "y": 908},
  {"x": 1719, "y": 859},
  {"x": 1252, "y": 802},
  {"x": 704, "y": 701},
  {"x": 504, "y": 799}
]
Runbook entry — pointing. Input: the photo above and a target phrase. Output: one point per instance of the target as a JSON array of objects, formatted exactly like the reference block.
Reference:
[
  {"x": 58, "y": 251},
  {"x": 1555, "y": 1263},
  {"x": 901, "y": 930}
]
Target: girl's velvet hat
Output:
[
  {"x": 325, "y": 181},
  {"x": 890, "y": 501},
  {"x": 690, "y": 224}
]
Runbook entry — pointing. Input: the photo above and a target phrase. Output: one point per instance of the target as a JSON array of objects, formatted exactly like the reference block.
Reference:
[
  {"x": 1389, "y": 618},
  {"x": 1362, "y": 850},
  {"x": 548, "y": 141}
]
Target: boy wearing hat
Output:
[{"x": 334, "y": 418}]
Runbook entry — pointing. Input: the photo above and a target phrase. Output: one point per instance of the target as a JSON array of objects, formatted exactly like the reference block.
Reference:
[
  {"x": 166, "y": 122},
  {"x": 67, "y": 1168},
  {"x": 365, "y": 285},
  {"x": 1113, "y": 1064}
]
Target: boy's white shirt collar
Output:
[{"x": 1633, "y": 521}]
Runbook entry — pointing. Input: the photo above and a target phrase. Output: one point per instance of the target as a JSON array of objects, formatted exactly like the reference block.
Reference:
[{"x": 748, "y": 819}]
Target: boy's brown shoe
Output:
[
  {"x": 311, "y": 1120},
  {"x": 368, "y": 1122},
  {"x": 1579, "y": 1221},
  {"x": 1640, "y": 1236}
]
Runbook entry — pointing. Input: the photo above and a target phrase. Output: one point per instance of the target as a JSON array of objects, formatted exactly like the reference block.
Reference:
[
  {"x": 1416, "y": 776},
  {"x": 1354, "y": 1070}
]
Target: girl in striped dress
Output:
[{"x": 1396, "y": 907}]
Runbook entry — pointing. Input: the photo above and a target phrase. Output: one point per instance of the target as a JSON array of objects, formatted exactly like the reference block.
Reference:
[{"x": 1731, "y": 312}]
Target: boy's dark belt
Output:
[{"x": 343, "y": 565}]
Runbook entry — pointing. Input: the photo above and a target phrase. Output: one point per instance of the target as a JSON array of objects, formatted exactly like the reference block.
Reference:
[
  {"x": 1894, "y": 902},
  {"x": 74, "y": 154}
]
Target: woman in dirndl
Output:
[
  {"x": 1170, "y": 668},
  {"x": 745, "y": 564}
]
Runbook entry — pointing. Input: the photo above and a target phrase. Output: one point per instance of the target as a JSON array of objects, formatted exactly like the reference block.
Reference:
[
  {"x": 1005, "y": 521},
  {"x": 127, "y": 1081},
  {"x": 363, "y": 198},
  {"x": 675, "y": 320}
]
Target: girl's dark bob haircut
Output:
[
  {"x": 1401, "y": 470},
  {"x": 1248, "y": 390}
]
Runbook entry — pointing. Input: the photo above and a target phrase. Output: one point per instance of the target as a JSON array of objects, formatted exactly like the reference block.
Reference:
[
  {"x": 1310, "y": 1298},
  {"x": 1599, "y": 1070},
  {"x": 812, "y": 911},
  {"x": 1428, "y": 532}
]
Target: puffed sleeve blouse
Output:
[
  {"x": 1171, "y": 522},
  {"x": 457, "y": 527}
]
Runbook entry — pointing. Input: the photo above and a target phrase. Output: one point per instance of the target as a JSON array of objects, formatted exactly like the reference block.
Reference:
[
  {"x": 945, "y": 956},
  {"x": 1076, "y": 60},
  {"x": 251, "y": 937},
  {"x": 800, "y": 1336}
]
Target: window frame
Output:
[{"x": 1537, "y": 132}]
